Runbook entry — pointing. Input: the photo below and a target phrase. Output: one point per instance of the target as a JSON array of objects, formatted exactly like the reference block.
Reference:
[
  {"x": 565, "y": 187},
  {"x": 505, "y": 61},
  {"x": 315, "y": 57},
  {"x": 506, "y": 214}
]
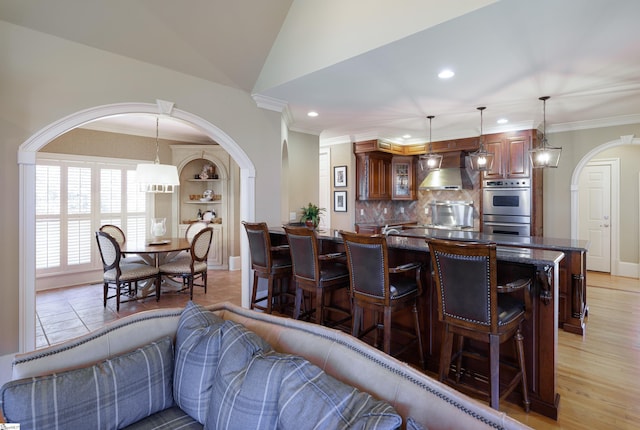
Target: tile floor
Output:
[{"x": 65, "y": 313}]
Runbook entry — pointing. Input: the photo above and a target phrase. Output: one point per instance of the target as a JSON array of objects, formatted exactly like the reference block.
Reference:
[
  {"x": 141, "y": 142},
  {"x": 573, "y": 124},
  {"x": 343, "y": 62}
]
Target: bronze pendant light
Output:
[
  {"x": 545, "y": 155},
  {"x": 481, "y": 160},
  {"x": 430, "y": 161}
]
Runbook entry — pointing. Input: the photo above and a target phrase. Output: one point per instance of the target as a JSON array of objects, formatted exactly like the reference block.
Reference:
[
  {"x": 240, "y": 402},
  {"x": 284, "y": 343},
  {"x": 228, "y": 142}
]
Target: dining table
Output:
[{"x": 156, "y": 252}]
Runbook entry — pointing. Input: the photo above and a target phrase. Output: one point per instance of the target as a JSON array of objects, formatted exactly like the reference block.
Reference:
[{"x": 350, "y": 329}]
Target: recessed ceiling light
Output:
[
  {"x": 312, "y": 114},
  {"x": 446, "y": 74},
  {"x": 406, "y": 136},
  {"x": 502, "y": 121}
]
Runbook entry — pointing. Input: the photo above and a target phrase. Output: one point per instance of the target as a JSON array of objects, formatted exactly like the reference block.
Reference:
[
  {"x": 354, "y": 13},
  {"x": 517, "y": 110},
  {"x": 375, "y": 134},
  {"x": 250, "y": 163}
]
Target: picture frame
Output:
[
  {"x": 340, "y": 176},
  {"x": 339, "y": 201}
]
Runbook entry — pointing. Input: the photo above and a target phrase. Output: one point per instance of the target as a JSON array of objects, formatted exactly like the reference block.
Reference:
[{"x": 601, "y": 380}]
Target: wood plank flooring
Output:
[{"x": 598, "y": 373}]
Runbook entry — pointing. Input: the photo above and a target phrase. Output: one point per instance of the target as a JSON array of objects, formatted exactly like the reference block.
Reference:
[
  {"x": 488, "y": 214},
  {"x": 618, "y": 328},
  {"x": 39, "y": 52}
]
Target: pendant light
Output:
[
  {"x": 481, "y": 160},
  {"x": 545, "y": 155},
  {"x": 430, "y": 161},
  {"x": 156, "y": 177}
]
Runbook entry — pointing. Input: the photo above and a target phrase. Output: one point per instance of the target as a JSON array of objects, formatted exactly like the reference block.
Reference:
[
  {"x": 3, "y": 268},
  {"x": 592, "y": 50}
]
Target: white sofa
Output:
[{"x": 411, "y": 393}]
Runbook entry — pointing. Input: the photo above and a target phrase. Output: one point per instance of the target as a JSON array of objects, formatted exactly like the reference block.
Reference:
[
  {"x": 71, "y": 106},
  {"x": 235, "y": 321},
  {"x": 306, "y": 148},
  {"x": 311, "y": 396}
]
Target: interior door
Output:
[{"x": 595, "y": 215}]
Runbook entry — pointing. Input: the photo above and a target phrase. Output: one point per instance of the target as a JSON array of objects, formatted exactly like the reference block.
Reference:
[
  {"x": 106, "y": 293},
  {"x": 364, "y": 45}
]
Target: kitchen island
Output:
[
  {"x": 540, "y": 331},
  {"x": 572, "y": 273}
]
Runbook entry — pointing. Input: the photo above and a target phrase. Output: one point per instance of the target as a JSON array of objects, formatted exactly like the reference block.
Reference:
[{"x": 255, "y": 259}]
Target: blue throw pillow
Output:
[
  {"x": 108, "y": 395},
  {"x": 413, "y": 425},
  {"x": 289, "y": 393},
  {"x": 203, "y": 340}
]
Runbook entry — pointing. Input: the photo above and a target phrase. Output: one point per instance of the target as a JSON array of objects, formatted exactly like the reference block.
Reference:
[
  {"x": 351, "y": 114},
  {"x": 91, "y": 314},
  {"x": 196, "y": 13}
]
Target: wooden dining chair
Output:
[
  {"x": 193, "y": 268},
  {"x": 118, "y": 273},
  {"x": 117, "y": 233},
  {"x": 472, "y": 305},
  {"x": 319, "y": 275},
  {"x": 377, "y": 287}
]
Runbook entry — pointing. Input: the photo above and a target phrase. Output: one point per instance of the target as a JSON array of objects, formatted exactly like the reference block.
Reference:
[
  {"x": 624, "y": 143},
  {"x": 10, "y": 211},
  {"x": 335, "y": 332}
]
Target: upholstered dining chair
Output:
[
  {"x": 382, "y": 289},
  {"x": 118, "y": 273},
  {"x": 188, "y": 270},
  {"x": 272, "y": 263},
  {"x": 472, "y": 305},
  {"x": 117, "y": 233},
  {"x": 192, "y": 229},
  {"x": 320, "y": 275}
]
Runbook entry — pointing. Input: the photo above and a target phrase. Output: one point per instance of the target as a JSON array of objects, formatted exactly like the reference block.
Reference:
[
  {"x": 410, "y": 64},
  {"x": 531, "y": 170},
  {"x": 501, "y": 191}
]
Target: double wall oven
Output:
[{"x": 506, "y": 207}]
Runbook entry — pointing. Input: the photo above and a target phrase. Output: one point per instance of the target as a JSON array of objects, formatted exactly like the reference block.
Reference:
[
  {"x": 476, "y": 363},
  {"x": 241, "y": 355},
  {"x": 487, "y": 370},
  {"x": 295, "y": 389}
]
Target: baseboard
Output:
[
  {"x": 628, "y": 270},
  {"x": 234, "y": 263}
]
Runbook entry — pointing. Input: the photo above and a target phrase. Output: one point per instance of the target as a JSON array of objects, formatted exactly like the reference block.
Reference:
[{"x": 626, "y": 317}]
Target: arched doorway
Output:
[
  {"x": 27, "y": 161},
  {"x": 615, "y": 210}
]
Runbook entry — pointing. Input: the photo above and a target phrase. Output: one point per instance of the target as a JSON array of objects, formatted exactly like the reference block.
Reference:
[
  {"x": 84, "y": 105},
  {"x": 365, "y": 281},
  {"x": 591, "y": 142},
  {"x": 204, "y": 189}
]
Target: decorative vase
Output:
[
  {"x": 158, "y": 227},
  {"x": 309, "y": 223}
]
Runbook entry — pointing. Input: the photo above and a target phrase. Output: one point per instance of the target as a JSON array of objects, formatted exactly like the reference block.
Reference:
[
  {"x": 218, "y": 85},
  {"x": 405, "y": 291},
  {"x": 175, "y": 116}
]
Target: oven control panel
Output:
[{"x": 507, "y": 183}]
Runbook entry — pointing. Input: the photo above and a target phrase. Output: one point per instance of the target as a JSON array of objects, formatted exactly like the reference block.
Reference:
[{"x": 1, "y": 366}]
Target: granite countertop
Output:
[
  {"x": 526, "y": 254},
  {"x": 534, "y": 242},
  {"x": 388, "y": 222}
]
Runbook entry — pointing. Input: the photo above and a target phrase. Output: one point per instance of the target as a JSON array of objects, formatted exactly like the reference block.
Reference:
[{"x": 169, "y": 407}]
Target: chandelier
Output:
[
  {"x": 481, "y": 160},
  {"x": 430, "y": 161},
  {"x": 545, "y": 155},
  {"x": 156, "y": 177}
]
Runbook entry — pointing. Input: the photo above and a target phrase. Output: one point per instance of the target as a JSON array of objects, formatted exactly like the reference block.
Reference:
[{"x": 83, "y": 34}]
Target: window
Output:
[{"x": 73, "y": 199}]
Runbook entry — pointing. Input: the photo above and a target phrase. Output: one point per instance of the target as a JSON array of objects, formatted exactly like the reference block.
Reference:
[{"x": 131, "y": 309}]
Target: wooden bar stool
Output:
[
  {"x": 317, "y": 274},
  {"x": 382, "y": 289},
  {"x": 472, "y": 305},
  {"x": 270, "y": 263}
]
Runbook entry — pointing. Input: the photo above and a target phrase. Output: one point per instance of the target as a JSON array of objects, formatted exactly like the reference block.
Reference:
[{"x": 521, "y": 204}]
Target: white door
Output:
[{"x": 595, "y": 215}]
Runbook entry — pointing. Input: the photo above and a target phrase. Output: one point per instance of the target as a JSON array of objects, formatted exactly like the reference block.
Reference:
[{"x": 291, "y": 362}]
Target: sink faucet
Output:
[{"x": 387, "y": 231}]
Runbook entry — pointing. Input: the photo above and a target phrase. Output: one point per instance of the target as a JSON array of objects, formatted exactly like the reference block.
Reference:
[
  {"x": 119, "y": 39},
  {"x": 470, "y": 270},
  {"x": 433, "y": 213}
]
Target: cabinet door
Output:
[
  {"x": 497, "y": 168},
  {"x": 402, "y": 179},
  {"x": 373, "y": 176},
  {"x": 517, "y": 149}
]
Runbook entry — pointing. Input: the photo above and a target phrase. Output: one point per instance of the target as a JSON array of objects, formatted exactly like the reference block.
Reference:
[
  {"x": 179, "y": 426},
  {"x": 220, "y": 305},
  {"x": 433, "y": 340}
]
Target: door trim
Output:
[{"x": 617, "y": 268}]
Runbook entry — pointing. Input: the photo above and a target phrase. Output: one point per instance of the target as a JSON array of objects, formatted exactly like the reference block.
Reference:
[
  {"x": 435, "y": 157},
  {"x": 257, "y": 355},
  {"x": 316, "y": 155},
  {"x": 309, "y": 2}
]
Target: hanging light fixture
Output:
[
  {"x": 545, "y": 155},
  {"x": 430, "y": 161},
  {"x": 156, "y": 177},
  {"x": 481, "y": 160}
]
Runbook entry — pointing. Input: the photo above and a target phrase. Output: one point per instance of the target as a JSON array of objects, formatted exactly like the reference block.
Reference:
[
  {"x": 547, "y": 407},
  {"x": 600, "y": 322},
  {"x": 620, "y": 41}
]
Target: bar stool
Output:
[
  {"x": 384, "y": 290},
  {"x": 472, "y": 305},
  {"x": 268, "y": 262},
  {"x": 317, "y": 274}
]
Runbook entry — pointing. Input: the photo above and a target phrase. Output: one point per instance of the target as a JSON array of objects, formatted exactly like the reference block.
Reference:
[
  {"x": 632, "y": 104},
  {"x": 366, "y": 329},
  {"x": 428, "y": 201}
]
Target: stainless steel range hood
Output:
[{"x": 453, "y": 175}]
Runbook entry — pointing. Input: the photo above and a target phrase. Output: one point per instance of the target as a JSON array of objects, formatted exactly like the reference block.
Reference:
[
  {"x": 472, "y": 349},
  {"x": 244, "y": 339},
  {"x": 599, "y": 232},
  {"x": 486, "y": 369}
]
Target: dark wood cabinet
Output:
[
  {"x": 511, "y": 155},
  {"x": 403, "y": 173},
  {"x": 373, "y": 176}
]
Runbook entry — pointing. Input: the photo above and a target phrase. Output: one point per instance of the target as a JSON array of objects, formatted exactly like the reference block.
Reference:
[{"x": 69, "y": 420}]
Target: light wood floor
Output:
[{"x": 598, "y": 373}]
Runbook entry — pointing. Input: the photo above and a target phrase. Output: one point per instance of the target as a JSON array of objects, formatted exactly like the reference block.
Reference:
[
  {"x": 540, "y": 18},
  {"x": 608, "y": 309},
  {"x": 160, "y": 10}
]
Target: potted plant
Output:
[{"x": 311, "y": 215}]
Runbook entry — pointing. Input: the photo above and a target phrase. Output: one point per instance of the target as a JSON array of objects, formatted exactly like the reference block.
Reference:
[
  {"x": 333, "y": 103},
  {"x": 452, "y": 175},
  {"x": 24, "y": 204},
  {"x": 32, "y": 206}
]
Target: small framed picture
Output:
[
  {"x": 340, "y": 176},
  {"x": 340, "y": 201}
]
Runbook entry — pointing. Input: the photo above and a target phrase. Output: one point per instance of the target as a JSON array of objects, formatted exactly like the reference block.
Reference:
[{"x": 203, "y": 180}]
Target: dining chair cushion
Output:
[
  {"x": 333, "y": 271},
  {"x": 287, "y": 392},
  {"x": 108, "y": 395},
  {"x": 183, "y": 265},
  {"x": 131, "y": 271},
  {"x": 203, "y": 340}
]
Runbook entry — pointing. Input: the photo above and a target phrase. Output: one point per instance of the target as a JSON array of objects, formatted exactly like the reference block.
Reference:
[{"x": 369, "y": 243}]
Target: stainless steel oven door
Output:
[
  {"x": 506, "y": 201},
  {"x": 513, "y": 229}
]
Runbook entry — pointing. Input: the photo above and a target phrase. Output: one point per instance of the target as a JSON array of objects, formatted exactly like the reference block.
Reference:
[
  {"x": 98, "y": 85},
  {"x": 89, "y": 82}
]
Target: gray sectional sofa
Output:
[{"x": 226, "y": 367}]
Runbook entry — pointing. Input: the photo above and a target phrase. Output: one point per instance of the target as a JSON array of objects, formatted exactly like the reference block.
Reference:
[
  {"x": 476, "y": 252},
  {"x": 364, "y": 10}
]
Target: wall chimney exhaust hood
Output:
[{"x": 452, "y": 175}]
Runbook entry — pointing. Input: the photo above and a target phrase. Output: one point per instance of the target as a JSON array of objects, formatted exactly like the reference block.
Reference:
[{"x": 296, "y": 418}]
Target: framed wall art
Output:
[
  {"x": 340, "y": 201},
  {"x": 340, "y": 176}
]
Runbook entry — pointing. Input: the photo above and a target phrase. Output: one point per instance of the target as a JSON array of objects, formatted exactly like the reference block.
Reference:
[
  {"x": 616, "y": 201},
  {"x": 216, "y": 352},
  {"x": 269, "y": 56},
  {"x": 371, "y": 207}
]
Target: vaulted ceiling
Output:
[{"x": 370, "y": 68}]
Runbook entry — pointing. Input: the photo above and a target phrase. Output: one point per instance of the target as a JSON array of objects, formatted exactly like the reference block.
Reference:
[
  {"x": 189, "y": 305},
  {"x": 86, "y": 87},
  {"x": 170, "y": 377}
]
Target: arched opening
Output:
[
  {"x": 27, "y": 162},
  {"x": 615, "y": 210}
]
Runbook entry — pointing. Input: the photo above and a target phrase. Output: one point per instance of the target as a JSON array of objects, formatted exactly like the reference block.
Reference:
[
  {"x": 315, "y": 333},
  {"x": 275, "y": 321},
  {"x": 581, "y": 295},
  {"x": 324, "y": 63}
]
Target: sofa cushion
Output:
[
  {"x": 170, "y": 419},
  {"x": 287, "y": 392},
  {"x": 108, "y": 395},
  {"x": 201, "y": 338},
  {"x": 414, "y": 425}
]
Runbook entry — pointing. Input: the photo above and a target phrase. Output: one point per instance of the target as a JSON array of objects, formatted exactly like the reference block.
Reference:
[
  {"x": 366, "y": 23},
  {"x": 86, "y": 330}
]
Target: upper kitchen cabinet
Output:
[
  {"x": 403, "y": 184},
  {"x": 511, "y": 156},
  {"x": 373, "y": 176}
]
